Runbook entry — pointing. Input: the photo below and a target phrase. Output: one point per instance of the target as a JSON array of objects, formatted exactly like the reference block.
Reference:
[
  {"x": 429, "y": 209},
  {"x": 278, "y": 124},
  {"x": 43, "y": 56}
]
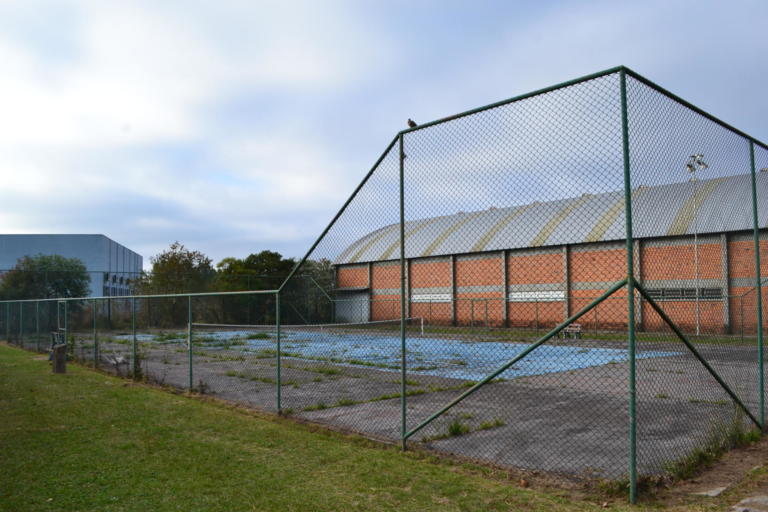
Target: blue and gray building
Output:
[{"x": 112, "y": 266}]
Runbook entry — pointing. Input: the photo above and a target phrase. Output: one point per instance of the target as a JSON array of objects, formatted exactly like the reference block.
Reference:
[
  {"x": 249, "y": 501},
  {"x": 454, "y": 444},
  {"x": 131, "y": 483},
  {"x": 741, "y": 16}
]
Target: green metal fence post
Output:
[
  {"x": 21, "y": 324},
  {"x": 190, "y": 358},
  {"x": 134, "y": 352},
  {"x": 66, "y": 329},
  {"x": 758, "y": 286},
  {"x": 8, "y": 322},
  {"x": 95, "y": 338},
  {"x": 403, "y": 358},
  {"x": 37, "y": 325},
  {"x": 279, "y": 356},
  {"x": 630, "y": 292}
]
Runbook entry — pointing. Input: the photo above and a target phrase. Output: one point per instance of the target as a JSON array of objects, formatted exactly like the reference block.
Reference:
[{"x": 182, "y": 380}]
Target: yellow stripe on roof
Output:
[
  {"x": 690, "y": 209},
  {"x": 501, "y": 224},
  {"x": 384, "y": 232},
  {"x": 555, "y": 221},
  {"x": 394, "y": 245},
  {"x": 448, "y": 232},
  {"x": 609, "y": 217}
]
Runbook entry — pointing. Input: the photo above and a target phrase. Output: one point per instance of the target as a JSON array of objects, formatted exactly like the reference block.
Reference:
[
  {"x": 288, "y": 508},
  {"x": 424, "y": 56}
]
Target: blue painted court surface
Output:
[{"x": 460, "y": 359}]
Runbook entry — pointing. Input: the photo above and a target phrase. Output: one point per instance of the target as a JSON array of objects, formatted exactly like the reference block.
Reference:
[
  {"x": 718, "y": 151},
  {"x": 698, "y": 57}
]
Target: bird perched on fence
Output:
[{"x": 412, "y": 123}]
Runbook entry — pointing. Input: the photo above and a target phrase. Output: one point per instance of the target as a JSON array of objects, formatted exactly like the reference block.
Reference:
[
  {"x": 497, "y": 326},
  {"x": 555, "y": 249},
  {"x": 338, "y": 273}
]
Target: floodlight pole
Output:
[
  {"x": 696, "y": 163},
  {"x": 696, "y": 251}
]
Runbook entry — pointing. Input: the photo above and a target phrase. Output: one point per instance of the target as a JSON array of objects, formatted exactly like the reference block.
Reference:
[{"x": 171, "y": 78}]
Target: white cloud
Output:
[
  {"x": 145, "y": 75},
  {"x": 115, "y": 124}
]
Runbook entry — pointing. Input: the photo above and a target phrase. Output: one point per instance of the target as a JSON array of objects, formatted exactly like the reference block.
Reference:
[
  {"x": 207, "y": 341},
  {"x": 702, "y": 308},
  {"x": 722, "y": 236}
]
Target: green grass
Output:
[
  {"x": 720, "y": 439},
  {"x": 258, "y": 336},
  {"x": 487, "y": 425},
  {"x": 457, "y": 428},
  {"x": 169, "y": 336},
  {"x": 86, "y": 441}
]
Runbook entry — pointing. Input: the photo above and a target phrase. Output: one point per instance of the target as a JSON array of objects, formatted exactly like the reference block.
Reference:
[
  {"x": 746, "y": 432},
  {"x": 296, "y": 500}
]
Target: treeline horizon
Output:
[
  {"x": 175, "y": 270},
  {"x": 179, "y": 270}
]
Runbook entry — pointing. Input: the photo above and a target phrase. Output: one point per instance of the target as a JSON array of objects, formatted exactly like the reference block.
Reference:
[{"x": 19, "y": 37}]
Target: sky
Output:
[{"x": 239, "y": 126}]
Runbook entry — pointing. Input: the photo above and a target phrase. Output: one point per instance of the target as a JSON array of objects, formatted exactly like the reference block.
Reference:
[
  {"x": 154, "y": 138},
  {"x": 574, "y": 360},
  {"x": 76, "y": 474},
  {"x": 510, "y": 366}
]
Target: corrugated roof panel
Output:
[
  {"x": 505, "y": 217},
  {"x": 583, "y": 218},
  {"x": 721, "y": 205}
]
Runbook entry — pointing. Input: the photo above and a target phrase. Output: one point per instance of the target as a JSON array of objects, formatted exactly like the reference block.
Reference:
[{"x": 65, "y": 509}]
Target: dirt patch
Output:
[{"x": 742, "y": 471}]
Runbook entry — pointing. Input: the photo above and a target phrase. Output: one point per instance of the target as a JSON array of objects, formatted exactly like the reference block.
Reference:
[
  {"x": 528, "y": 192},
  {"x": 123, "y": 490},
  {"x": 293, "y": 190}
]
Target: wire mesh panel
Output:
[
  {"x": 79, "y": 330},
  {"x": 157, "y": 336},
  {"x": 341, "y": 340},
  {"x": 235, "y": 360},
  {"x": 115, "y": 336},
  {"x": 515, "y": 216},
  {"x": 693, "y": 218},
  {"x": 29, "y": 337}
]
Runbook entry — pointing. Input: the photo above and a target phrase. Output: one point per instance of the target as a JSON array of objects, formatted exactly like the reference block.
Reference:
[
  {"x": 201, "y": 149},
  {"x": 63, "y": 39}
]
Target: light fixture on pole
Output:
[{"x": 696, "y": 163}]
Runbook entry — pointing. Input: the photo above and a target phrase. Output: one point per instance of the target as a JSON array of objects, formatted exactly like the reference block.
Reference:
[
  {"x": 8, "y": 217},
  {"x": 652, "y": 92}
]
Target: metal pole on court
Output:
[
  {"x": 403, "y": 358},
  {"x": 630, "y": 293}
]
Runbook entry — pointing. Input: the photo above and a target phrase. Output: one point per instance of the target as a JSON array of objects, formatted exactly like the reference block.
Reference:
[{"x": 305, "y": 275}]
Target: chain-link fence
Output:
[{"x": 565, "y": 281}]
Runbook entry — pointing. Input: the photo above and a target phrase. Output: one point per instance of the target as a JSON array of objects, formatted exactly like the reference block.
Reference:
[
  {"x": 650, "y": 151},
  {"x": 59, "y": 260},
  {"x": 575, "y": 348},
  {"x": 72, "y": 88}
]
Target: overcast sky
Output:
[{"x": 235, "y": 127}]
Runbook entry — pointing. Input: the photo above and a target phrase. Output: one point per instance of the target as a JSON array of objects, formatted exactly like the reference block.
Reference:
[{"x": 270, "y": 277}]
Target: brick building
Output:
[{"x": 532, "y": 265}]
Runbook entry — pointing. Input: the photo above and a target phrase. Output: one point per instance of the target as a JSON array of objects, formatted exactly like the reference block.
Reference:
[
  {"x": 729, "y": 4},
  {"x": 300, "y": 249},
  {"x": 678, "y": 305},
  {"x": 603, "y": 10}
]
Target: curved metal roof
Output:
[{"x": 720, "y": 205}]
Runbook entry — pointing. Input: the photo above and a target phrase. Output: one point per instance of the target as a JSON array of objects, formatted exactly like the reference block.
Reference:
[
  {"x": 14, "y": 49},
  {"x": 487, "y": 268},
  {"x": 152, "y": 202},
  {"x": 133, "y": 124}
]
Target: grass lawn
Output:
[{"x": 87, "y": 441}]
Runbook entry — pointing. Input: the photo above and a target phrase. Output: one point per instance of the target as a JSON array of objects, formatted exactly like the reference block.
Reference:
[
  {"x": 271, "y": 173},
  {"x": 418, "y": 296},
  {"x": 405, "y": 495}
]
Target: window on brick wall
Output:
[
  {"x": 536, "y": 296},
  {"x": 685, "y": 293},
  {"x": 431, "y": 297}
]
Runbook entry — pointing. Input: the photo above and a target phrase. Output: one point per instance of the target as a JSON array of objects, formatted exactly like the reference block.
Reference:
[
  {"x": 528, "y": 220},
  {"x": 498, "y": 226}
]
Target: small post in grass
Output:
[{"x": 59, "y": 358}]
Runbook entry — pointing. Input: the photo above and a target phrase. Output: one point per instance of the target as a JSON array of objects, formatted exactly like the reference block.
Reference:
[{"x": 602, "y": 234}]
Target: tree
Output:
[
  {"x": 177, "y": 270},
  {"x": 259, "y": 271},
  {"x": 265, "y": 270},
  {"x": 46, "y": 276}
]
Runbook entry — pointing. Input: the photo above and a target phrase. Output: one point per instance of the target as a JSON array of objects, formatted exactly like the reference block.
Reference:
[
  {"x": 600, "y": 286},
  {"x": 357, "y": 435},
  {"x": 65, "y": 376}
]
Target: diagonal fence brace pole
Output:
[
  {"x": 551, "y": 334},
  {"x": 695, "y": 352}
]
